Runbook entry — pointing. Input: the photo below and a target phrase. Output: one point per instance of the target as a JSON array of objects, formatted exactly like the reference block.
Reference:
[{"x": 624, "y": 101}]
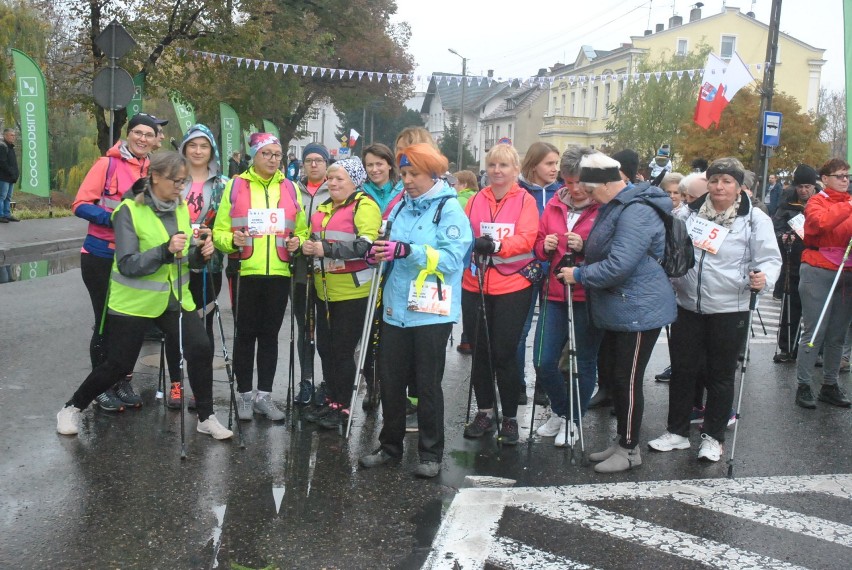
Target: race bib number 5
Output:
[
  {"x": 496, "y": 230},
  {"x": 266, "y": 221},
  {"x": 707, "y": 235}
]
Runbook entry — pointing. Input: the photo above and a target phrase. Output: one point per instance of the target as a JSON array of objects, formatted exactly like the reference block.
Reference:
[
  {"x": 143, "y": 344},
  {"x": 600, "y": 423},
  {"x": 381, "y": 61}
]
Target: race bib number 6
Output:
[
  {"x": 266, "y": 221},
  {"x": 496, "y": 230}
]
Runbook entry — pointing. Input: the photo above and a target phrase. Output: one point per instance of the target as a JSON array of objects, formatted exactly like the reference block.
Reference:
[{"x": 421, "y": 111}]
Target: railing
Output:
[{"x": 565, "y": 121}]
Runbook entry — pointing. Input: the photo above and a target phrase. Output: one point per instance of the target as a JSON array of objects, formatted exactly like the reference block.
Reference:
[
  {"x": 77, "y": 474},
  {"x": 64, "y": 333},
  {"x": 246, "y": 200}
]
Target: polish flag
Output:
[
  {"x": 720, "y": 82},
  {"x": 353, "y": 137}
]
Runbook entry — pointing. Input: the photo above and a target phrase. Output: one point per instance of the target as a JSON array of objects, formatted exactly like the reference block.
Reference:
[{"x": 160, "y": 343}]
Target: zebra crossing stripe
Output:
[{"x": 467, "y": 535}]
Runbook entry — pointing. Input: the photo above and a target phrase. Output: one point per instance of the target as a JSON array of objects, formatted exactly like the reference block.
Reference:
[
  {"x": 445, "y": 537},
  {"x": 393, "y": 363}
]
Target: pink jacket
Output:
[{"x": 554, "y": 220}]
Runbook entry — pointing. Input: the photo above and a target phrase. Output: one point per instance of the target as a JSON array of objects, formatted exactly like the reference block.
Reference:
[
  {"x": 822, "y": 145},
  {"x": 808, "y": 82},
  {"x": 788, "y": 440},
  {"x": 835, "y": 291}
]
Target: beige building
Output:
[{"x": 578, "y": 97}]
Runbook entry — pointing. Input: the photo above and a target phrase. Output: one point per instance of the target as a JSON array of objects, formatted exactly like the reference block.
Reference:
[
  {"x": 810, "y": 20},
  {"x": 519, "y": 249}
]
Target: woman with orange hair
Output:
[{"x": 430, "y": 238}]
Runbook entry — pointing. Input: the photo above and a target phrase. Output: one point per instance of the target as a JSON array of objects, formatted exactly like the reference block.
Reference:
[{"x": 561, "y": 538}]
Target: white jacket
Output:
[{"x": 719, "y": 283}]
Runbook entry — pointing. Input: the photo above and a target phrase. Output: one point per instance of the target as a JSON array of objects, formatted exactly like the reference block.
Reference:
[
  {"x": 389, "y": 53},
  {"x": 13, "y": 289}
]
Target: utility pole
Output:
[
  {"x": 762, "y": 153},
  {"x": 460, "y": 155}
]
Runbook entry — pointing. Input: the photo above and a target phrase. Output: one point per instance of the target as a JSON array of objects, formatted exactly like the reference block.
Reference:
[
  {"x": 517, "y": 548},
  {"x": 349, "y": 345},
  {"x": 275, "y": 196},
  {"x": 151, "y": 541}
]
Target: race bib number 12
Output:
[{"x": 496, "y": 230}]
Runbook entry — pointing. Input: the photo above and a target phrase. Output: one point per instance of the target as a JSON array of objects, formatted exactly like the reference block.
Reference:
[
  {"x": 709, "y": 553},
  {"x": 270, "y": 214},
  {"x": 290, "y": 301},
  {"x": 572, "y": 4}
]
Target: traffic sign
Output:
[{"x": 771, "y": 128}]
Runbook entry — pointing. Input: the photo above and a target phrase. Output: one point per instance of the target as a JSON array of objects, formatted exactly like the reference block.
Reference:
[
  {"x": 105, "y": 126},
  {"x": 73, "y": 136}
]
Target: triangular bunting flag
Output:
[
  {"x": 658, "y": 75},
  {"x": 379, "y": 76},
  {"x": 239, "y": 61},
  {"x": 370, "y": 75}
]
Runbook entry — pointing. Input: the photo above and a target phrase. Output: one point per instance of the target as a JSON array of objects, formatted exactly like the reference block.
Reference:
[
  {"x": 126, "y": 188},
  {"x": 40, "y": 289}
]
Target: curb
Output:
[{"x": 39, "y": 250}]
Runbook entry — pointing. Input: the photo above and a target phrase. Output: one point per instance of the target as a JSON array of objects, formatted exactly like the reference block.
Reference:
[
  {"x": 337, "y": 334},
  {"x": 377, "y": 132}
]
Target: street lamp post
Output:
[{"x": 461, "y": 111}]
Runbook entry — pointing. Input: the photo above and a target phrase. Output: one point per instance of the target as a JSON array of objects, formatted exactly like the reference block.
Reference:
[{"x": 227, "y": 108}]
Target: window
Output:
[
  {"x": 607, "y": 94},
  {"x": 594, "y": 103},
  {"x": 497, "y": 134},
  {"x": 682, "y": 46},
  {"x": 563, "y": 103},
  {"x": 729, "y": 45},
  {"x": 583, "y": 96},
  {"x": 573, "y": 103},
  {"x": 510, "y": 130},
  {"x": 314, "y": 113},
  {"x": 314, "y": 136},
  {"x": 554, "y": 104},
  {"x": 510, "y": 104}
]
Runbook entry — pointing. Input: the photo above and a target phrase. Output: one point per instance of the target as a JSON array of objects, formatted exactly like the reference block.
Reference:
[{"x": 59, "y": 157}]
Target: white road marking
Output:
[
  {"x": 508, "y": 553},
  {"x": 219, "y": 511},
  {"x": 467, "y": 535},
  {"x": 278, "y": 495}
]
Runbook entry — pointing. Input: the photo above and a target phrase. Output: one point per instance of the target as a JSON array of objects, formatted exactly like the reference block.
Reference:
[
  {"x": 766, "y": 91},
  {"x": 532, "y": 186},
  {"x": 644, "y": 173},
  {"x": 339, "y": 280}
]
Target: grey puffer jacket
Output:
[
  {"x": 719, "y": 283},
  {"x": 628, "y": 289}
]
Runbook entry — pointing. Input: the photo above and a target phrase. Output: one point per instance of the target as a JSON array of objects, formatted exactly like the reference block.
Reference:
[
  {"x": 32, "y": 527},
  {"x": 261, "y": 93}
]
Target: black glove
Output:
[{"x": 484, "y": 245}]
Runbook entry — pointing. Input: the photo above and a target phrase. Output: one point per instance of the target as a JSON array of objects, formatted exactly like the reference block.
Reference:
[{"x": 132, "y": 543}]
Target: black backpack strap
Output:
[{"x": 436, "y": 219}]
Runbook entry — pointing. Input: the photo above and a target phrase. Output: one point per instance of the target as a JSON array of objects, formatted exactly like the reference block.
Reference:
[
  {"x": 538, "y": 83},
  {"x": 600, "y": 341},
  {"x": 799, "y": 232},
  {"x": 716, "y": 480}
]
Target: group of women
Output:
[{"x": 591, "y": 244}]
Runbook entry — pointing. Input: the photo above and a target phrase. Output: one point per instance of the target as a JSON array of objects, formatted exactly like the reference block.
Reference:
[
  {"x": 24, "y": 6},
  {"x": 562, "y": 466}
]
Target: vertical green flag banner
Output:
[
  {"x": 847, "y": 50},
  {"x": 184, "y": 111},
  {"x": 269, "y": 127},
  {"x": 247, "y": 134},
  {"x": 32, "y": 103},
  {"x": 230, "y": 122},
  {"x": 135, "y": 105}
]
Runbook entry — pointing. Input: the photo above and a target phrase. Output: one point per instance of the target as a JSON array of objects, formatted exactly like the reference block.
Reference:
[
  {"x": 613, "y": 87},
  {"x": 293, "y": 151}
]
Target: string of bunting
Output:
[{"x": 393, "y": 77}]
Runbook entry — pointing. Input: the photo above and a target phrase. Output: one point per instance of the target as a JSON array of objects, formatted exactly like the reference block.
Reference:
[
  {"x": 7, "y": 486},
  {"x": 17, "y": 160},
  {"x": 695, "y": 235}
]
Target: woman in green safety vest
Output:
[{"x": 150, "y": 283}]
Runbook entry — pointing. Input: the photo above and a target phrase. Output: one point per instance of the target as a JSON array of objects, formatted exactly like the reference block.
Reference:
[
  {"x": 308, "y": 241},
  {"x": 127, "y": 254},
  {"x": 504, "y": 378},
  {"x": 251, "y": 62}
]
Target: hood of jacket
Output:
[
  {"x": 121, "y": 150},
  {"x": 437, "y": 192},
  {"x": 201, "y": 131},
  {"x": 253, "y": 176},
  {"x": 542, "y": 194},
  {"x": 645, "y": 191},
  {"x": 744, "y": 209}
]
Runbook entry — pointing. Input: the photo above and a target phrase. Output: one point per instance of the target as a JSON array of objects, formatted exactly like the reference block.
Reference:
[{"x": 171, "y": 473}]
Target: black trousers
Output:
[
  {"x": 197, "y": 288},
  {"x": 714, "y": 341},
  {"x": 126, "y": 335},
  {"x": 506, "y": 315},
  {"x": 305, "y": 339},
  {"x": 337, "y": 337},
  {"x": 418, "y": 354},
  {"x": 791, "y": 317},
  {"x": 622, "y": 360},
  {"x": 96, "y": 271},
  {"x": 260, "y": 308}
]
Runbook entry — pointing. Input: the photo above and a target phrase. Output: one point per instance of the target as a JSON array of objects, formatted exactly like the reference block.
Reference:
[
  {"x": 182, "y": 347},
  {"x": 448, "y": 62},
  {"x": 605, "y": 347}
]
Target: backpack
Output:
[{"x": 679, "y": 256}]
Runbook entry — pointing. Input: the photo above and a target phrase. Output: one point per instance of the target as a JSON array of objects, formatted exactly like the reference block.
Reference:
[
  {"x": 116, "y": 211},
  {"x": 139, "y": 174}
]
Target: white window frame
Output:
[
  {"x": 595, "y": 96},
  {"x": 685, "y": 50},
  {"x": 733, "y": 46}
]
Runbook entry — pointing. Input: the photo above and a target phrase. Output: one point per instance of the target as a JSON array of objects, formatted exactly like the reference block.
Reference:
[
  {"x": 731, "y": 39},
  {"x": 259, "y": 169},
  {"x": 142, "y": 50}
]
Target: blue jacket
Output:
[
  {"x": 452, "y": 237},
  {"x": 542, "y": 195},
  {"x": 628, "y": 289},
  {"x": 383, "y": 195}
]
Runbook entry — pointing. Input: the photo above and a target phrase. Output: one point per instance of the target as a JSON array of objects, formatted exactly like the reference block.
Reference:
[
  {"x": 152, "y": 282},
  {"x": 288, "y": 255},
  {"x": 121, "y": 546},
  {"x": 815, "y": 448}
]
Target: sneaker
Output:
[
  {"x": 696, "y": 416},
  {"x": 606, "y": 453},
  {"x": 427, "y": 469},
  {"x": 338, "y": 416},
  {"x": 551, "y": 427},
  {"x": 480, "y": 425},
  {"x": 732, "y": 419},
  {"x": 783, "y": 357},
  {"x": 540, "y": 397},
  {"x": 805, "y": 397},
  {"x": 321, "y": 395},
  {"x": 68, "y": 420},
  {"x": 622, "y": 459},
  {"x": 11, "y": 218},
  {"x": 245, "y": 411},
  {"x": 563, "y": 438},
  {"x": 665, "y": 375},
  {"x": 124, "y": 390},
  {"x": 378, "y": 457},
  {"x": 315, "y": 414},
  {"x": 465, "y": 348},
  {"x": 109, "y": 402},
  {"x": 669, "y": 441},
  {"x": 711, "y": 449},
  {"x": 509, "y": 432},
  {"x": 211, "y": 426},
  {"x": 844, "y": 365},
  {"x": 173, "y": 401},
  {"x": 832, "y": 394},
  {"x": 306, "y": 393},
  {"x": 264, "y": 405}
]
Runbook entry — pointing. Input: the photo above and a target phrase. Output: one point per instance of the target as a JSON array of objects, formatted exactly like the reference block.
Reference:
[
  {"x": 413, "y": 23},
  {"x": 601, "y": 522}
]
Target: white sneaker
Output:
[
  {"x": 68, "y": 420},
  {"x": 551, "y": 426},
  {"x": 710, "y": 450},
  {"x": 211, "y": 426},
  {"x": 562, "y": 436},
  {"x": 669, "y": 441}
]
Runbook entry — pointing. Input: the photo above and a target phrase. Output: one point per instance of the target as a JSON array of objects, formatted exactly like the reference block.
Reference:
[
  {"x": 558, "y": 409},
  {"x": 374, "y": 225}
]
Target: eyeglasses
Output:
[
  {"x": 271, "y": 155},
  {"x": 315, "y": 161},
  {"x": 179, "y": 181},
  {"x": 839, "y": 176},
  {"x": 143, "y": 134}
]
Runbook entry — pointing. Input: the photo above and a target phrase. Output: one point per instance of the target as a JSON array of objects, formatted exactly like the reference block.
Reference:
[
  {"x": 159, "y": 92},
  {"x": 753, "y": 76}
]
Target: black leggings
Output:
[
  {"x": 126, "y": 335},
  {"x": 506, "y": 315},
  {"x": 196, "y": 287},
  {"x": 260, "y": 308},
  {"x": 96, "y": 272},
  {"x": 336, "y": 342}
]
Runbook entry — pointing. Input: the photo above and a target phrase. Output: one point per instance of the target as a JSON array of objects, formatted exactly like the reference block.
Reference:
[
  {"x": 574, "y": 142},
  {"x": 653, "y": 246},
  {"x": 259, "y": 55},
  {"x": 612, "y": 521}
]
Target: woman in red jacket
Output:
[
  {"x": 504, "y": 219},
  {"x": 828, "y": 232},
  {"x": 565, "y": 224}
]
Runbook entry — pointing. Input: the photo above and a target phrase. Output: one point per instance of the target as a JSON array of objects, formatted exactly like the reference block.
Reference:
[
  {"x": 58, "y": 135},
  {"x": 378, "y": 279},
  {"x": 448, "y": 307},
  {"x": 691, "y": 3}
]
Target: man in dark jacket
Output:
[
  {"x": 773, "y": 193},
  {"x": 234, "y": 165},
  {"x": 790, "y": 206},
  {"x": 293, "y": 168},
  {"x": 9, "y": 173}
]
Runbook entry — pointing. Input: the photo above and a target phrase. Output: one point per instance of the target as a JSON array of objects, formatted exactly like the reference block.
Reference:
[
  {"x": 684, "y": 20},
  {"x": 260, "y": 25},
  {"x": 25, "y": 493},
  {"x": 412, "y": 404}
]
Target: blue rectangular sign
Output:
[{"x": 771, "y": 128}]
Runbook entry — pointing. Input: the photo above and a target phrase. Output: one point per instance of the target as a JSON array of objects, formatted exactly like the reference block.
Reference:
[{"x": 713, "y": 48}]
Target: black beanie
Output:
[
  {"x": 629, "y": 161},
  {"x": 142, "y": 119},
  {"x": 804, "y": 174}
]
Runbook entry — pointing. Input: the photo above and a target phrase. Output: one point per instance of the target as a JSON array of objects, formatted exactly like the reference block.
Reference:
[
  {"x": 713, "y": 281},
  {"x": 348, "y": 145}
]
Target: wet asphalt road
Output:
[{"x": 118, "y": 496}]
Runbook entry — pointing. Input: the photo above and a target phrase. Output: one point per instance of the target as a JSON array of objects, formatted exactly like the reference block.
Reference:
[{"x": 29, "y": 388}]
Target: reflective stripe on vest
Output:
[
  {"x": 149, "y": 295},
  {"x": 508, "y": 213},
  {"x": 241, "y": 202},
  {"x": 340, "y": 226}
]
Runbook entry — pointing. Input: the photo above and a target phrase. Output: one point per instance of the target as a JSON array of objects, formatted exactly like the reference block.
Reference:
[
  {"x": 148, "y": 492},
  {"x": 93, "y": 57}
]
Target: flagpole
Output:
[{"x": 761, "y": 154}]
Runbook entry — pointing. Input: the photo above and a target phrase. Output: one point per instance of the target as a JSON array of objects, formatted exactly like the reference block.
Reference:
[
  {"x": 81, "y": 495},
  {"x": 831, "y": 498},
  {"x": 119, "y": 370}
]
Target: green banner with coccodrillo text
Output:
[{"x": 32, "y": 103}]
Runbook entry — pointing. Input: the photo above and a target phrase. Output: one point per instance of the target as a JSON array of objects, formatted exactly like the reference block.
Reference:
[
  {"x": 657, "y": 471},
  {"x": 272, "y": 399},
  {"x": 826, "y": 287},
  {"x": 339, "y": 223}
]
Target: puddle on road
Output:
[{"x": 27, "y": 270}]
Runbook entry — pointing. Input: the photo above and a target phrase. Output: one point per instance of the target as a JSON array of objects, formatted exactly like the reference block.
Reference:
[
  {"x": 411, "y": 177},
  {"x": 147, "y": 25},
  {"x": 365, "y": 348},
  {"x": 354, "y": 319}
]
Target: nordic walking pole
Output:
[
  {"x": 810, "y": 343},
  {"x": 178, "y": 263},
  {"x": 291, "y": 370},
  {"x": 473, "y": 361},
  {"x": 372, "y": 301},
  {"x": 480, "y": 279},
  {"x": 540, "y": 327},
  {"x": 751, "y": 306}
]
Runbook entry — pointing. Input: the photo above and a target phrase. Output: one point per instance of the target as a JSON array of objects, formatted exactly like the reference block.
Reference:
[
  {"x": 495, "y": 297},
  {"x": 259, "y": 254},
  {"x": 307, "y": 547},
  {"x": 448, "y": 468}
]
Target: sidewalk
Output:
[{"x": 31, "y": 240}]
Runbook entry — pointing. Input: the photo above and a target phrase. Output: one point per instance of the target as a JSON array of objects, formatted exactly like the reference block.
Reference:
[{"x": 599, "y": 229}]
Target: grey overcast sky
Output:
[{"x": 517, "y": 37}]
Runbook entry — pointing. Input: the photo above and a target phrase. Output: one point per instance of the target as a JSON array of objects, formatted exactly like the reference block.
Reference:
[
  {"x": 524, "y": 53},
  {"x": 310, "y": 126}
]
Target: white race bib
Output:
[
  {"x": 707, "y": 235},
  {"x": 496, "y": 230},
  {"x": 428, "y": 301},
  {"x": 266, "y": 221},
  {"x": 330, "y": 264},
  {"x": 798, "y": 225}
]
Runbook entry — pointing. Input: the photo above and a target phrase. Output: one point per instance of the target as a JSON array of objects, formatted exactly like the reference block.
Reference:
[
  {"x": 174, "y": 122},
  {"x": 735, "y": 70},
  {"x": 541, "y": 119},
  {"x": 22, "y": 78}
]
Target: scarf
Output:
[
  {"x": 162, "y": 205},
  {"x": 725, "y": 218}
]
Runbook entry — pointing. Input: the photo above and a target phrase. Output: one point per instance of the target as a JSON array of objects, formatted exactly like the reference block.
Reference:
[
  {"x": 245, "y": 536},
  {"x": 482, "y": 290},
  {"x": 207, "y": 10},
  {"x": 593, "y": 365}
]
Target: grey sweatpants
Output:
[{"x": 814, "y": 284}]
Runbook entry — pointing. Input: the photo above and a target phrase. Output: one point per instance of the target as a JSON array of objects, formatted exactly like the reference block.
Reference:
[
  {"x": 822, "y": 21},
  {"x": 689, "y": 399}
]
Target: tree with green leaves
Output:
[
  {"x": 22, "y": 28},
  {"x": 650, "y": 112},
  {"x": 449, "y": 144}
]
